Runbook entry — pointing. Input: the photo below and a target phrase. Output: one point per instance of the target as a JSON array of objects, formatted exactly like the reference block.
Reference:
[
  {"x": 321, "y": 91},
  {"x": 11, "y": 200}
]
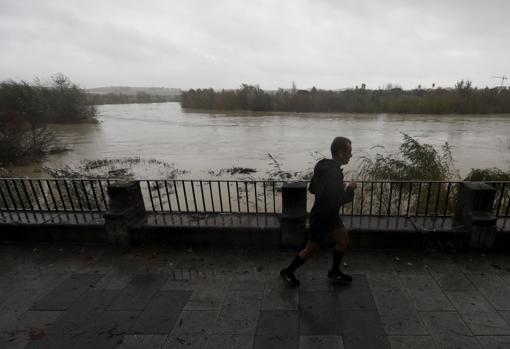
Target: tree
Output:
[
  {"x": 21, "y": 141},
  {"x": 26, "y": 110}
]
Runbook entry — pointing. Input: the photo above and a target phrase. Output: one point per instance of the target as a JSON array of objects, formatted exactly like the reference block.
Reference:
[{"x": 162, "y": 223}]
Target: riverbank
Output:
[{"x": 462, "y": 99}]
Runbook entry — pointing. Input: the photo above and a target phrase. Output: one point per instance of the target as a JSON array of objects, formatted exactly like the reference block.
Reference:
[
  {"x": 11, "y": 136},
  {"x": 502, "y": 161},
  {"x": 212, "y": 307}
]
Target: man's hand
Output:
[{"x": 353, "y": 185}]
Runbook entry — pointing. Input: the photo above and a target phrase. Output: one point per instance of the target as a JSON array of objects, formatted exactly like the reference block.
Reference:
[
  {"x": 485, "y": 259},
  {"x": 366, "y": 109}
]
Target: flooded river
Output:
[{"x": 200, "y": 141}]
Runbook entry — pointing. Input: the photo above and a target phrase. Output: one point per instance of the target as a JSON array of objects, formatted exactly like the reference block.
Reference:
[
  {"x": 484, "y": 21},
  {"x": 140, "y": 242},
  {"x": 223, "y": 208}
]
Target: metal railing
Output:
[
  {"x": 54, "y": 195},
  {"x": 372, "y": 198},
  {"x": 214, "y": 196}
]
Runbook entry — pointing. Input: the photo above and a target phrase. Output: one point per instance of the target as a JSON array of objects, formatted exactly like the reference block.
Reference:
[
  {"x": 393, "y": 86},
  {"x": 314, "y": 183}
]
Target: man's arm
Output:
[{"x": 347, "y": 195}]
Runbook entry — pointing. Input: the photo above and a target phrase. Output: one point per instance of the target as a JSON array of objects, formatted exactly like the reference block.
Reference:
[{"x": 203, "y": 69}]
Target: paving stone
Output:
[
  {"x": 318, "y": 313},
  {"x": 476, "y": 263},
  {"x": 363, "y": 262},
  {"x": 269, "y": 260},
  {"x": 495, "y": 342},
  {"x": 36, "y": 281},
  {"x": 356, "y": 296},
  {"x": 495, "y": 290},
  {"x": 186, "y": 340},
  {"x": 142, "y": 341},
  {"x": 65, "y": 294},
  {"x": 205, "y": 258},
  {"x": 320, "y": 342},
  {"x": 453, "y": 281},
  {"x": 449, "y": 331},
  {"x": 279, "y": 296},
  {"x": 14, "y": 340},
  {"x": 505, "y": 277},
  {"x": 161, "y": 313},
  {"x": 190, "y": 279},
  {"x": 4, "y": 268},
  {"x": 139, "y": 291},
  {"x": 56, "y": 341},
  {"x": 22, "y": 299},
  {"x": 321, "y": 314},
  {"x": 239, "y": 313},
  {"x": 184, "y": 279},
  {"x": 506, "y": 315},
  {"x": 277, "y": 329},
  {"x": 362, "y": 329},
  {"x": 449, "y": 276},
  {"x": 206, "y": 298},
  {"x": 229, "y": 341},
  {"x": 114, "y": 282},
  {"x": 411, "y": 342},
  {"x": 397, "y": 313},
  {"x": 425, "y": 294},
  {"x": 195, "y": 322},
  {"x": 97, "y": 341},
  {"x": 192, "y": 330},
  {"x": 358, "y": 291},
  {"x": 410, "y": 263},
  {"x": 28, "y": 321},
  {"x": 83, "y": 313},
  {"x": 248, "y": 282},
  {"x": 478, "y": 314},
  {"x": 106, "y": 332},
  {"x": 114, "y": 322}
]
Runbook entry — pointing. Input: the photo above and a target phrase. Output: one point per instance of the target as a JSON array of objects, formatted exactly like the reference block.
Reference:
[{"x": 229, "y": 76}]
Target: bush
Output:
[
  {"x": 414, "y": 161},
  {"x": 26, "y": 110},
  {"x": 21, "y": 141},
  {"x": 487, "y": 174},
  {"x": 59, "y": 102}
]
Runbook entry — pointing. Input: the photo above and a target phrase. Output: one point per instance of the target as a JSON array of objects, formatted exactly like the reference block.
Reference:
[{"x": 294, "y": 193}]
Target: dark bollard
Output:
[
  {"x": 293, "y": 217},
  {"x": 474, "y": 214},
  {"x": 126, "y": 208}
]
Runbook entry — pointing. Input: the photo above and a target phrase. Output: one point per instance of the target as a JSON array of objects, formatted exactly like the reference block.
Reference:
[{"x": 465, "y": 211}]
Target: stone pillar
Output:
[
  {"x": 126, "y": 208},
  {"x": 293, "y": 217},
  {"x": 473, "y": 213}
]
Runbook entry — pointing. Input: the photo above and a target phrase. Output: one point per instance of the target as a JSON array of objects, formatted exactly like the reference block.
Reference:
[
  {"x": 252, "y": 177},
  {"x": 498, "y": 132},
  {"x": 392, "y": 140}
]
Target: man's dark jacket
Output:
[{"x": 328, "y": 186}]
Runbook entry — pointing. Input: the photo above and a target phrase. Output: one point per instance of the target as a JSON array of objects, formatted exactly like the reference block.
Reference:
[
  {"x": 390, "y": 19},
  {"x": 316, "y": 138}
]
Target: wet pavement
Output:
[{"x": 97, "y": 296}]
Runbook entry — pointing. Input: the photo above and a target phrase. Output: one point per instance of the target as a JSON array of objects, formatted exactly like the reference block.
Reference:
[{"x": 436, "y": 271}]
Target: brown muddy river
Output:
[{"x": 200, "y": 141}]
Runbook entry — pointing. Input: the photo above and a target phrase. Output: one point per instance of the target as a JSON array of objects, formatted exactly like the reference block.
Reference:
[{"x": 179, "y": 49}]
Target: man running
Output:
[{"x": 330, "y": 193}]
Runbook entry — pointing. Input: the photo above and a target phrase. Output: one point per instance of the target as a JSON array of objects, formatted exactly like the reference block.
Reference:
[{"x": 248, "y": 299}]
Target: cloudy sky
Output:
[{"x": 223, "y": 43}]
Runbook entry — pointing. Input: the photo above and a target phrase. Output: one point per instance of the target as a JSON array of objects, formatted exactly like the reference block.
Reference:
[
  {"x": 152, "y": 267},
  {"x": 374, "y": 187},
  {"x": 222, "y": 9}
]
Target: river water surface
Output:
[{"x": 199, "y": 141}]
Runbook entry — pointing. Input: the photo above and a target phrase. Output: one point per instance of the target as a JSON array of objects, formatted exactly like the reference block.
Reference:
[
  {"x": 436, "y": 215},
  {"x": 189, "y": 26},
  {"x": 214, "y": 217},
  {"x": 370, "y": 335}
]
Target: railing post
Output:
[
  {"x": 126, "y": 208},
  {"x": 473, "y": 214},
  {"x": 293, "y": 217}
]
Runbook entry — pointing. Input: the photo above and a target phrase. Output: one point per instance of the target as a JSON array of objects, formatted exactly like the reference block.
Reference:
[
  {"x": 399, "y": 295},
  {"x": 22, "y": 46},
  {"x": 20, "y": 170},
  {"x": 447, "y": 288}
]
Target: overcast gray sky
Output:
[{"x": 221, "y": 44}]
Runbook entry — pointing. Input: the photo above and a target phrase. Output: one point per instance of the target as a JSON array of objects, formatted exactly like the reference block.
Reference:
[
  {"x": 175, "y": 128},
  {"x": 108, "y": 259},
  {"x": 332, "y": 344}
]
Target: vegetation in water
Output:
[
  {"x": 413, "y": 161},
  {"x": 232, "y": 171},
  {"x": 120, "y": 168}
]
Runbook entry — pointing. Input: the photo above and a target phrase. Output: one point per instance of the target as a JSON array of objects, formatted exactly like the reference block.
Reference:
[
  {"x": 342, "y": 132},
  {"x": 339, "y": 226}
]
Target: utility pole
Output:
[{"x": 503, "y": 78}]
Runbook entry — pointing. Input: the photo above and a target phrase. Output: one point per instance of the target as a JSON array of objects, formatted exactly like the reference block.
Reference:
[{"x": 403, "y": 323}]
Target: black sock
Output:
[
  {"x": 337, "y": 259},
  {"x": 296, "y": 263}
]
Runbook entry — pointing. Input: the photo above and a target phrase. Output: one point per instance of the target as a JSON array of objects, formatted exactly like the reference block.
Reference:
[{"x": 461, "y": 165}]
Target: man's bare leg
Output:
[
  {"x": 311, "y": 248},
  {"x": 288, "y": 273}
]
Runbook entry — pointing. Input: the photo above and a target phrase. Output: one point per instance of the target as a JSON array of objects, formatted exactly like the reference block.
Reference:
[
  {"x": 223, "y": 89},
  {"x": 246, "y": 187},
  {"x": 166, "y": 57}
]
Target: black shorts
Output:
[{"x": 320, "y": 229}]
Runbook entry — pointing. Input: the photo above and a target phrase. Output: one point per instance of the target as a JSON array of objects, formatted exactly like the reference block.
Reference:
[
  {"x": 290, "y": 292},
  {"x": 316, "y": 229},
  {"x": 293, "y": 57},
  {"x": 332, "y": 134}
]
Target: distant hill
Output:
[{"x": 132, "y": 91}]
